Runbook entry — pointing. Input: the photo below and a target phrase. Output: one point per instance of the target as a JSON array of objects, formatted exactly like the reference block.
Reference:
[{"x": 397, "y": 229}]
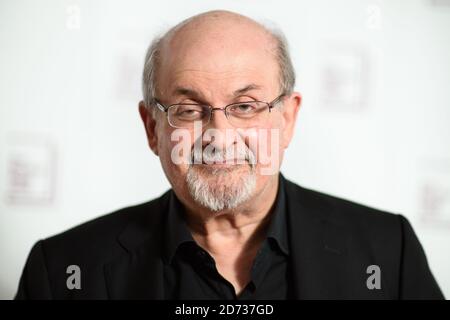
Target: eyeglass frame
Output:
[{"x": 165, "y": 109}]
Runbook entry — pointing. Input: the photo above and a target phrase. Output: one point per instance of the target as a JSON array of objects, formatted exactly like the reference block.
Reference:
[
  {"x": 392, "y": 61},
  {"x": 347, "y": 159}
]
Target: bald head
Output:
[
  {"x": 215, "y": 44},
  {"x": 217, "y": 18},
  {"x": 218, "y": 34},
  {"x": 218, "y": 26}
]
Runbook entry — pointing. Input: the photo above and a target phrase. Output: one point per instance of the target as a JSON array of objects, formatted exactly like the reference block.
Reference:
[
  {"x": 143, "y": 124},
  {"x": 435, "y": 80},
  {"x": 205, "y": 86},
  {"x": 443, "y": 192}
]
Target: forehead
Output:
[{"x": 220, "y": 57}]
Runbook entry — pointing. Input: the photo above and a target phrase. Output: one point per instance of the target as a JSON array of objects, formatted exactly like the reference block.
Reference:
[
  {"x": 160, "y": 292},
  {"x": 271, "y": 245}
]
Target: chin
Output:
[{"x": 221, "y": 188}]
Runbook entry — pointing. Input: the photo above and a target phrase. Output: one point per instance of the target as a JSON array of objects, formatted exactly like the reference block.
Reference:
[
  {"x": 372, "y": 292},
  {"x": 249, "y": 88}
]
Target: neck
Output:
[{"x": 243, "y": 226}]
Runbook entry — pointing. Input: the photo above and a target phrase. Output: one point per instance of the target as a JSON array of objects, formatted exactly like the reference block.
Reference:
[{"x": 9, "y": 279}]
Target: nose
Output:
[{"x": 223, "y": 133}]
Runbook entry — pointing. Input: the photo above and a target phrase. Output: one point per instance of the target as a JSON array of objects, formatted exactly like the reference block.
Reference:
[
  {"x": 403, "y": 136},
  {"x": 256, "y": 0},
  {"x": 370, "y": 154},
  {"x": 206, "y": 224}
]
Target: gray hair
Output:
[{"x": 152, "y": 58}]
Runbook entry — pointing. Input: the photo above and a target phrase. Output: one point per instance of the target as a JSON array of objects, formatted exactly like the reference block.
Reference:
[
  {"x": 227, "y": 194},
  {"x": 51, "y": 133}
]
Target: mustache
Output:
[{"x": 231, "y": 155}]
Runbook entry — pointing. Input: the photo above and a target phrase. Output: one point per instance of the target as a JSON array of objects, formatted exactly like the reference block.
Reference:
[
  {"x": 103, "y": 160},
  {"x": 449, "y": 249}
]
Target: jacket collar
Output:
[
  {"x": 137, "y": 273},
  {"x": 318, "y": 246}
]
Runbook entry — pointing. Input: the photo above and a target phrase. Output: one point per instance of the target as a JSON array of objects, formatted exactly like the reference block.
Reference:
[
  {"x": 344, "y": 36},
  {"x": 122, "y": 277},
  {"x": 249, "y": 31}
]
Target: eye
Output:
[
  {"x": 242, "y": 108},
  {"x": 188, "y": 112}
]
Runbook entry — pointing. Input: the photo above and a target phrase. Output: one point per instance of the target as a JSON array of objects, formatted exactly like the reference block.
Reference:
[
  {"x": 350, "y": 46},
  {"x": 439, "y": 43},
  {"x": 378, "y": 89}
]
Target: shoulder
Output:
[
  {"x": 100, "y": 238},
  {"x": 369, "y": 226},
  {"x": 88, "y": 248},
  {"x": 340, "y": 210},
  {"x": 369, "y": 236}
]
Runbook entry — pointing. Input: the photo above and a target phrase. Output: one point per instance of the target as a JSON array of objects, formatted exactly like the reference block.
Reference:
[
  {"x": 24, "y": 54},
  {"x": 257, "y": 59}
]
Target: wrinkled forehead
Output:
[{"x": 218, "y": 54}]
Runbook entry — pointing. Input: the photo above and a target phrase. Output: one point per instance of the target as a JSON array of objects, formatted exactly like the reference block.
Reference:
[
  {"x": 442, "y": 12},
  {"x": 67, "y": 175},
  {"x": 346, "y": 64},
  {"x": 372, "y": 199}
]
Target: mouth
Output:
[
  {"x": 222, "y": 163},
  {"x": 219, "y": 165},
  {"x": 225, "y": 162}
]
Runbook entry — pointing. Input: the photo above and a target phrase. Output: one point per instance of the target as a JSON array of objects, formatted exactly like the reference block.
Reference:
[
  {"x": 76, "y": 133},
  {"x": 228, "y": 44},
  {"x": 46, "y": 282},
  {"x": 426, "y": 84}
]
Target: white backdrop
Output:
[{"x": 373, "y": 128}]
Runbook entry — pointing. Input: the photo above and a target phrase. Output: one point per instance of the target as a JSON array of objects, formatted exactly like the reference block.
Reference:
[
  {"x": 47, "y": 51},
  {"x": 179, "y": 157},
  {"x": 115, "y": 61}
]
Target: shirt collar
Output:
[{"x": 177, "y": 232}]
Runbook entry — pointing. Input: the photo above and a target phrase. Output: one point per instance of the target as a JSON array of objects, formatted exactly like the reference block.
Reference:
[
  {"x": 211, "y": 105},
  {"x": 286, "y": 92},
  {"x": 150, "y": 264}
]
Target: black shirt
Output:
[{"x": 190, "y": 272}]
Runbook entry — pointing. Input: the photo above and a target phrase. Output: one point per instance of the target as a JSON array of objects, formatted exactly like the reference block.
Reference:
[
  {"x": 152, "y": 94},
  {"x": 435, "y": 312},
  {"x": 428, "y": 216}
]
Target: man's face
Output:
[{"x": 218, "y": 64}]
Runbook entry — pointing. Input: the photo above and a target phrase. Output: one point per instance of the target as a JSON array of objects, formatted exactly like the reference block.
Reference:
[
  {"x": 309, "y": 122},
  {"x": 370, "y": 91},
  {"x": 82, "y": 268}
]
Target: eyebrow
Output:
[
  {"x": 246, "y": 89},
  {"x": 184, "y": 91}
]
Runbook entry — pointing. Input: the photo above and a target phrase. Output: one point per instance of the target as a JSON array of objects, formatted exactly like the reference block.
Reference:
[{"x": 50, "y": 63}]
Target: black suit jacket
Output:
[{"x": 332, "y": 241}]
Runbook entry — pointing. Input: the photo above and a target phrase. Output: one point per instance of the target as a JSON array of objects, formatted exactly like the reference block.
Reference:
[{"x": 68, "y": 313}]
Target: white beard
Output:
[{"x": 222, "y": 188}]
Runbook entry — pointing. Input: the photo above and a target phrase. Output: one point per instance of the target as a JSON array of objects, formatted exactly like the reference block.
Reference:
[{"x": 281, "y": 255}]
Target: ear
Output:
[
  {"x": 290, "y": 111},
  {"x": 150, "y": 126}
]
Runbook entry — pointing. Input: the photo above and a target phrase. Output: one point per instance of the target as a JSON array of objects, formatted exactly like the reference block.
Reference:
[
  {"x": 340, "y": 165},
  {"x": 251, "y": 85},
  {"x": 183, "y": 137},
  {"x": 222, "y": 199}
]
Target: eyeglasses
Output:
[{"x": 245, "y": 114}]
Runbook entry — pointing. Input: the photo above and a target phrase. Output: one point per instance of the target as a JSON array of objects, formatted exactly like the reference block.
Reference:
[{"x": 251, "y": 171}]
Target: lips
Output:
[{"x": 224, "y": 161}]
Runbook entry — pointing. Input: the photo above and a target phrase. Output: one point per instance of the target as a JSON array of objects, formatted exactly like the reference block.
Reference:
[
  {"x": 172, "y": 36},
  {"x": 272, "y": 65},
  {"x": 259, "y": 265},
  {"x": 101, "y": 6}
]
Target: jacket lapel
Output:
[
  {"x": 138, "y": 272},
  {"x": 319, "y": 249},
  {"x": 138, "y": 276}
]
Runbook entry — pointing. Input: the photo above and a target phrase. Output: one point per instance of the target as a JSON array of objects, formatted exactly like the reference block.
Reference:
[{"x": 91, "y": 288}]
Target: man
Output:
[{"x": 219, "y": 110}]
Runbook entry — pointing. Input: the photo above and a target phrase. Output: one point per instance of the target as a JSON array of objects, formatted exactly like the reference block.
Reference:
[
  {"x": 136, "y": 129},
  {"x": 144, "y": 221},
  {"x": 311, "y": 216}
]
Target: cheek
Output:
[
  {"x": 252, "y": 141},
  {"x": 271, "y": 147},
  {"x": 280, "y": 123},
  {"x": 174, "y": 153},
  {"x": 275, "y": 136}
]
